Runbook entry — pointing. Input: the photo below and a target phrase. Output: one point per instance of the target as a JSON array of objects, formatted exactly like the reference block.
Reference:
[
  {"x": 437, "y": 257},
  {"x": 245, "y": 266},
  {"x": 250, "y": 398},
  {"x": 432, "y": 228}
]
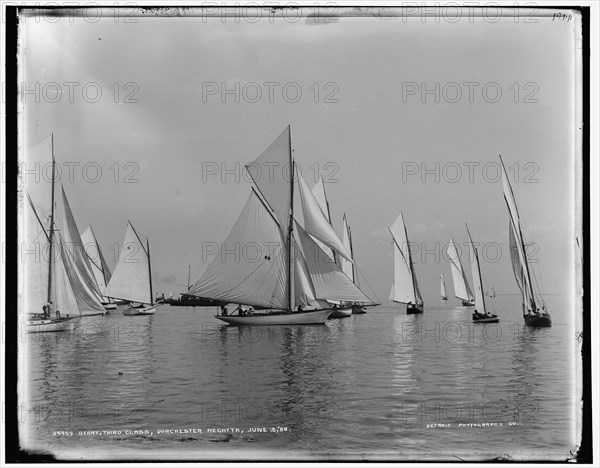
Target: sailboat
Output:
[
  {"x": 187, "y": 300},
  {"x": 533, "y": 315},
  {"x": 294, "y": 278},
  {"x": 461, "y": 285},
  {"x": 132, "y": 278},
  {"x": 492, "y": 292},
  {"x": 480, "y": 314},
  {"x": 98, "y": 264},
  {"x": 47, "y": 285},
  {"x": 443, "y": 288},
  {"x": 318, "y": 191},
  {"x": 405, "y": 288}
]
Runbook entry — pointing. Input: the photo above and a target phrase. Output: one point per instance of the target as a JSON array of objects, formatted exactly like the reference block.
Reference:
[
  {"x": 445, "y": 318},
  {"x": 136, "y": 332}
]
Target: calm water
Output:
[{"x": 372, "y": 384}]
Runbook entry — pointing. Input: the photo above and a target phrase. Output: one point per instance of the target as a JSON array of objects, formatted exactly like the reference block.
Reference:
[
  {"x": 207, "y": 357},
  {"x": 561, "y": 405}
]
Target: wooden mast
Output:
[
  {"x": 149, "y": 272},
  {"x": 51, "y": 235},
  {"x": 290, "y": 228}
]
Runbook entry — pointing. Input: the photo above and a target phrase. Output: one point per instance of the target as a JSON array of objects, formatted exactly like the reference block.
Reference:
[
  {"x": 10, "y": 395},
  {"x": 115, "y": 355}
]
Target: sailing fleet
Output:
[{"x": 306, "y": 273}]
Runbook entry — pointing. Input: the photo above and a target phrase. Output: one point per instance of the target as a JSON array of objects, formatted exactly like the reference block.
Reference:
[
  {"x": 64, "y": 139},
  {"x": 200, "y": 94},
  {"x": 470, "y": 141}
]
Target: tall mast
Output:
[
  {"x": 51, "y": 236},
  {"x": 478, "y": 269},
  {"x": 149, "y": 272},
  {"x": 189, "y": 272},
  {"x": 354, "y": 276},
  {"x": 290, "y": 229},
  {"x": 410, "y": 262},
  {"x": 328, "y": 216}
]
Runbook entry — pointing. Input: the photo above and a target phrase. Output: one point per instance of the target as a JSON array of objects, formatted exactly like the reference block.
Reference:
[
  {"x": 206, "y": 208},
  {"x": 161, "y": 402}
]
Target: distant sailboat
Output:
[
  {"x": 492, "y": 291},
  {"x": 132, "y": 279},
  {"x": 47, "y": 286},
  {"x": 98, "y": 263},
  {"x": 532, "y": 313},
  {"x": 405, "y": 288},
  {"x": 443, "y": 288},
  {"x": 461, "y": 285},
  {"x": 480, "y": 314},
  {"x": 295, "y": 278}
]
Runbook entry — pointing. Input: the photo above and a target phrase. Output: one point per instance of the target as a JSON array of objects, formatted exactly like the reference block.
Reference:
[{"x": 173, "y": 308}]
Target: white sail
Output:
[
  {"x": 318, "y": 192},
  {"x": 328, "y": 280},
  {"x": 97, "y": 262},
  {"x": 131, "y": 279},
  {"x": 272, "y": 172},
  {"x": 250, "y": 267},
  {"x": 347, "y": 267},
  {"x": 461, "y": 285},
  {"x": 516, "y": 243},
  {"x": 443, "y": 287},
  {"x": 476, "y": 274},
  {"x": 316, "y": 224},
  {"x": 492, "y": 291},
  {"x": 83, "y": 282},
  {"x": 404, "y": 286}
]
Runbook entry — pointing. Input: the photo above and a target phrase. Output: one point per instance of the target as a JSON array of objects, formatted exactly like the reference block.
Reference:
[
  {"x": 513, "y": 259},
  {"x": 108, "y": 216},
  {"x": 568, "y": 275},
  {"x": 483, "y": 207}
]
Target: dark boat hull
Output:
[
  {"x": 538, "y": 321},
  {"x": 311, "y": 317},
  {"x": 483, "y": 318},
  {"x": 468, "y": 303},
  {"x": 411, "y": 310}
]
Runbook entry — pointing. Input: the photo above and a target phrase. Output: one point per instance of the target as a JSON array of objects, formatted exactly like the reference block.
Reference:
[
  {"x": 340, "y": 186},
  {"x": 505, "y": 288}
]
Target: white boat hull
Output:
[
  {"x": 49, "y": 325},
  {"x": 142, "y": 311},
  {"x": 281, "y": 318},
  {"x": 341, "y": 313}
]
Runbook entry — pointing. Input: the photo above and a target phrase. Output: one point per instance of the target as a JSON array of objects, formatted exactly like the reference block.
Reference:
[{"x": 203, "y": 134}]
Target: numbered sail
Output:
[
  {"x": 443, "y": 287},
  {"x": 403, "y": 285},
  {"x": 97, "y": 262},
  {"x": 461, "y": 285},
  {"x": 130, "y": 280},
  {"x": 476, "y": 273}
]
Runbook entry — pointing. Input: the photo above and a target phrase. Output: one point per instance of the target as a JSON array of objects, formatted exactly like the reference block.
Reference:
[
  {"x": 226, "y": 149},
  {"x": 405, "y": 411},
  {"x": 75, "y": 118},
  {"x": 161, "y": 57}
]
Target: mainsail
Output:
[
  {"x": 45, "y": 262},
  {"x": 318, "y": 192},
  {"x": 98, "y": 264},
  {"x": 317, "y": 224},
  {"x": 131, "y": 279},
  {"x": 476, "y": 273},
  {"x": 461, "y": 285},
  {"x": 405, "y": 288},
  {"x": 83, "y": 282},
  {"x": 443, "y": 287},
  {"x": 517, "y": 248},
  {"x": 328, "y": 280},
  {"x": 250, "y": 267}
]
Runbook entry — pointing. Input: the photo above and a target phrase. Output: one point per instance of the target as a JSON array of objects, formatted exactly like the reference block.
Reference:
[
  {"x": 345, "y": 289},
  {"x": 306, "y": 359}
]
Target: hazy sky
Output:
[{"x": 368, "y": 144}]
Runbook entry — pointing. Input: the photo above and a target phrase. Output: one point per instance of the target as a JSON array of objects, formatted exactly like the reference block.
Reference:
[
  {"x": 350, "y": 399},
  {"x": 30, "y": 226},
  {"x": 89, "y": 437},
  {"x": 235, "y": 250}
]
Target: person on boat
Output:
[
  {"x": 48, "y": 309},
  {"x": 300, "y": 308},
  {"x": 57, "y": 314},
  {"x": 251, "y": 311},
  {"x": 334, "y": 306},
  {"x": 223, "y": 310}
]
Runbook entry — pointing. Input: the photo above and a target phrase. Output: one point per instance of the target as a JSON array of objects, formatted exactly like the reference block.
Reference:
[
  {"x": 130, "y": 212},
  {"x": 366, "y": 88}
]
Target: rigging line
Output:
[{"x": 366, "y": 281}]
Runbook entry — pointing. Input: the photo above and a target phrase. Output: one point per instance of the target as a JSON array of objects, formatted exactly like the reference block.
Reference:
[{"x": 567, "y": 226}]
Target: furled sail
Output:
[
  {"x": 316, "y": 224},
  {"x": 96, "y": 259},
  {"x": 250, "y": 267},
  {"x": 403, "y": 285},
  {"x": 443, "y": 286},
  {"x": 476, "y": 273},
  {"x": 461, "y": 285},
  {"x": 82, "y": 278},
  {"x": 329, "y": 282},
  {"x": 130, "y": 280},
  {"x": 347, "y": 267}
]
